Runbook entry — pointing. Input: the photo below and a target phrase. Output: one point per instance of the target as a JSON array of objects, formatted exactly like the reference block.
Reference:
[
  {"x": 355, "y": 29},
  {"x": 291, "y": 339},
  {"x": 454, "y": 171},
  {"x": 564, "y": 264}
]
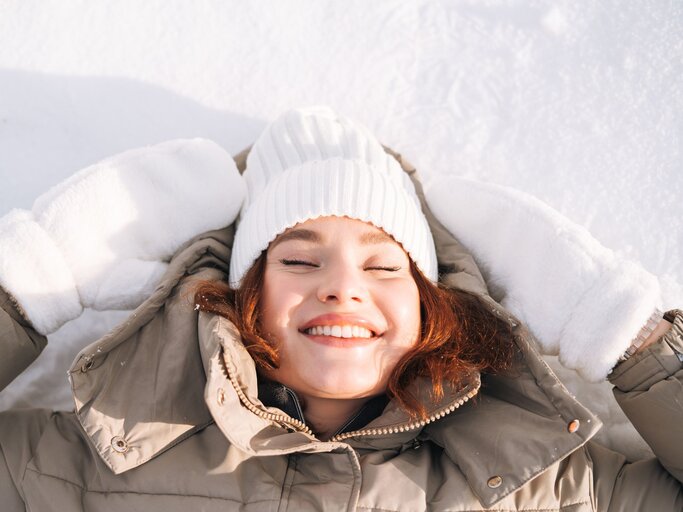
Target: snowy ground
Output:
[{"x": 577, "y": 102}]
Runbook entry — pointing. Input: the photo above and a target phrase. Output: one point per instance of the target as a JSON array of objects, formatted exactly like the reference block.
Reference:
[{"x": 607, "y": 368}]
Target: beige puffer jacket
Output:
[{"x": 168, "y": 418}]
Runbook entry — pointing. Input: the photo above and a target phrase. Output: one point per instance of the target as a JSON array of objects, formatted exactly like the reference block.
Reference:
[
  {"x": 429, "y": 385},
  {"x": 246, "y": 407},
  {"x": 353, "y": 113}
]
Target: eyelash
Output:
[
  {"x": 309, "y": 264},
  {"x": 298, "y": 262},
  {"x": 387, "y": 269}
]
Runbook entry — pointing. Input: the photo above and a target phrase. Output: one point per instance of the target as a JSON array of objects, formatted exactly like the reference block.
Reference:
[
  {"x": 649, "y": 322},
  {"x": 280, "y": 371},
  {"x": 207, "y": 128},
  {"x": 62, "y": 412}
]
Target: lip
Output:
[
  {"x": 331, "y": 341},
  {"x": 340, "y": 319}
]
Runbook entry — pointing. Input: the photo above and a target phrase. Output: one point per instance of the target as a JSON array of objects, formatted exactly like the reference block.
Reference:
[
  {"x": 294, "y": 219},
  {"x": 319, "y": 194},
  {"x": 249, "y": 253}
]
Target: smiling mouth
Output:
[{"x": 340, "y": 331}]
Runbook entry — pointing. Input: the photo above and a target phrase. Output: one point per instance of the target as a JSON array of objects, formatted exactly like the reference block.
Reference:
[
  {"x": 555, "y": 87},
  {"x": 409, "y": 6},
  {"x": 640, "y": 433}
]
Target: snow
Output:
[{"x": 577, "y": 102}]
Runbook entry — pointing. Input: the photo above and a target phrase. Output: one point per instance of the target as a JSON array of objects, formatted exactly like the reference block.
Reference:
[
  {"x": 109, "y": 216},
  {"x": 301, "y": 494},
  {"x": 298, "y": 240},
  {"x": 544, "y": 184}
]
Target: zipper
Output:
[
  {"x": 284, "y": 419},
  {"x": 470, "y": 392}
]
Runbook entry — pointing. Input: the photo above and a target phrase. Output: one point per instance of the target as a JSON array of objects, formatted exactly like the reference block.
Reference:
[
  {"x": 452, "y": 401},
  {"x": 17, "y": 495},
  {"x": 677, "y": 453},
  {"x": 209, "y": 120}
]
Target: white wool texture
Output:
[
  {"x": 311, "y": 162},
  {"x": 102, "y": 238},
  {"x": 582, "y": 301}
]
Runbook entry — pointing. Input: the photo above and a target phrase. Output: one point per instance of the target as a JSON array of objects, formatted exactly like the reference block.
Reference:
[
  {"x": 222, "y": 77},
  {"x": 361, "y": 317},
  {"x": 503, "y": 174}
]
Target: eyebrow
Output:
[
  {"x": 297, "y": 234},
  {"x": 375, "y": 237},
  {"x": 307, "y": 235}
]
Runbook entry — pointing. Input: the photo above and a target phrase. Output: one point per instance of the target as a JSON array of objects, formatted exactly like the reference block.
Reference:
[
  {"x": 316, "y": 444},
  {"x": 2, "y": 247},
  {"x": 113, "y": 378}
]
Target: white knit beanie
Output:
[{"x": 310, "y": 163}]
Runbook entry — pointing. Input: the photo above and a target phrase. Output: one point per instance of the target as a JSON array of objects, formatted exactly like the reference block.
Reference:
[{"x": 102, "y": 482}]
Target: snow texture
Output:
[{"x": 578, "y": 103}]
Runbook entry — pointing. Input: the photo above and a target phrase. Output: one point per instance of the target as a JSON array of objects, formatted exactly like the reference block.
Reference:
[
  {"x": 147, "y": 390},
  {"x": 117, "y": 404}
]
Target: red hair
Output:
[{"x": 458, "y": 333}]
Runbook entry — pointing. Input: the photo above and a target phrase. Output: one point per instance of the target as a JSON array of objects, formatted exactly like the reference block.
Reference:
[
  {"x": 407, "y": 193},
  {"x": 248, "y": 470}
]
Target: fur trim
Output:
[{"x": 580, "y": 299}]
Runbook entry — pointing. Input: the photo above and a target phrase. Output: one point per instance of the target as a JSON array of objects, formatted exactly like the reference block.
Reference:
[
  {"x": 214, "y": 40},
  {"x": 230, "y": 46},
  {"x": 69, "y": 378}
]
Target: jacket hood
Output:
[{"x": 169, "y": 371}]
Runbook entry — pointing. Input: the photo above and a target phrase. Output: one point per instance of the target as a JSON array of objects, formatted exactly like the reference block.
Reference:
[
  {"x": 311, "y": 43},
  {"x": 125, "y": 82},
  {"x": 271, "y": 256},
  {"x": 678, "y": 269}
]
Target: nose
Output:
[{"x": 342, "y": 284}]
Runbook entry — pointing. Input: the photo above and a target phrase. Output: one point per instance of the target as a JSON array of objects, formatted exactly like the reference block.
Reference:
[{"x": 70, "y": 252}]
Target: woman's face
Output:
[{"x": 341, "y": 303}]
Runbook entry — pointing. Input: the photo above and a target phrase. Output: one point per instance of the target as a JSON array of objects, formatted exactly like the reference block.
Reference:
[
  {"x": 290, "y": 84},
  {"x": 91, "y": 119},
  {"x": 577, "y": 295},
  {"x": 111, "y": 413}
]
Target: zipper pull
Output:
[{"x": 414, "y": 444}]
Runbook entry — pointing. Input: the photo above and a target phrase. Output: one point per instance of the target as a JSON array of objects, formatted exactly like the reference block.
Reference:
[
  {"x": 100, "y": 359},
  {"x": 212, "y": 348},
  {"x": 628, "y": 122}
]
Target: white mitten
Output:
[
  {"x": 580, "y": 299},
  {"x": 101, "y": 238}
]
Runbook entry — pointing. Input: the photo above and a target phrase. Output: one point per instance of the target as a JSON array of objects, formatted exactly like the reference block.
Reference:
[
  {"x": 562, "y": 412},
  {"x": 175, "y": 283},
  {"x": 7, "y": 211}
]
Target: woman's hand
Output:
[
  {"x": 101, "y": 238},
  {"x": 549, "y": 272}
]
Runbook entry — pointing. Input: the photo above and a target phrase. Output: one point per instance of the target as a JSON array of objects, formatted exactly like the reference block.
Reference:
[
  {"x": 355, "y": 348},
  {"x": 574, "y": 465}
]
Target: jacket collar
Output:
[
  {"x": 139, "y": 389},
  {"x": 258, "y": 428},
  {"x": 519, "y": 426}
]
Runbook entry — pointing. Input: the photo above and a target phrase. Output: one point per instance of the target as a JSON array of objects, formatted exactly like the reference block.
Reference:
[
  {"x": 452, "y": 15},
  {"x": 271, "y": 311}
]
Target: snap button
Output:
[
  {"x": 573, "y": 426},
  {"x": 220, "y": 398},
  {"x": 87, "y": 365},
  {"x": 119, "y": 444},
  {"x": 495, "y": 481}
]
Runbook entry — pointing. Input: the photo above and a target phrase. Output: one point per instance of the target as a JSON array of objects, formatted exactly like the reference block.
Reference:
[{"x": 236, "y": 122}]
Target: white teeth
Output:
[{"x": 340, "y": 331}]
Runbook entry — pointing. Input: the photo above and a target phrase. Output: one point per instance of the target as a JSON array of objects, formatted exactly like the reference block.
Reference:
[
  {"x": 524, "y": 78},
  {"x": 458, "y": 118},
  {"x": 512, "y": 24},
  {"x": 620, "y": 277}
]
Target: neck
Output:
[{"x": 326, "y": 416}]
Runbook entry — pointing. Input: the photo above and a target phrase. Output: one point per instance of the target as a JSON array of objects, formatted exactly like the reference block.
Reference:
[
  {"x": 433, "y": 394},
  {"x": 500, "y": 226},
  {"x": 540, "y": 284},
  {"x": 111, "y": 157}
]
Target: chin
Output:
[{"x": 343, "y": 387}]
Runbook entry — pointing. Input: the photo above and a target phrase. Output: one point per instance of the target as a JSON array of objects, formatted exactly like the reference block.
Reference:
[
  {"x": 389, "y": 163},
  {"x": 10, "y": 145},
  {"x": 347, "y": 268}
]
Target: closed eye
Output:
[
  {"x": 298, "y": 262},
  {"x": 387, "y": 269}
]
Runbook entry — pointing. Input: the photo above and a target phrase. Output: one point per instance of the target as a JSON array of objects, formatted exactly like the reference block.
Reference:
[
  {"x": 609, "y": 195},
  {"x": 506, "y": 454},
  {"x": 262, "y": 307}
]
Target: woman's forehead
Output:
[{"x": 323, "y": 229}]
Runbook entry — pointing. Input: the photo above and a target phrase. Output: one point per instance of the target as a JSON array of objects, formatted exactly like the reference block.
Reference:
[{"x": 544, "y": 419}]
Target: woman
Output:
[{"x": 331, "y": 376}]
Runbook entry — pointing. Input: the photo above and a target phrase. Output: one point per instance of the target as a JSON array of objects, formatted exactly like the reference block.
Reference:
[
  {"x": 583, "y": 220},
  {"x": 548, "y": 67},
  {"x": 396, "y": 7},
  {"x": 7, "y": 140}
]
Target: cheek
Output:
[
  {"x": 277, "y": 304},
  {"x": 404, "y": 304},
  {"x": 269, "y": 311}
]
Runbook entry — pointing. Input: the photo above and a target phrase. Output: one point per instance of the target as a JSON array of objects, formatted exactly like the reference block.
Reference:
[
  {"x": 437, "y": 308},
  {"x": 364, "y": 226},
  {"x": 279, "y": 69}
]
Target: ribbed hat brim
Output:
[{"x": 339, "y": 187}]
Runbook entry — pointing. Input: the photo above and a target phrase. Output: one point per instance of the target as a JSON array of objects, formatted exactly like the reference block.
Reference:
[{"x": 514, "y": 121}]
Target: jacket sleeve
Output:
[
  {"x": 20, "y": 343},
  {"x": 9, "y": 495},
  {"x": 649, "y": 389},
  {"x": 20, "y": 432}
]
